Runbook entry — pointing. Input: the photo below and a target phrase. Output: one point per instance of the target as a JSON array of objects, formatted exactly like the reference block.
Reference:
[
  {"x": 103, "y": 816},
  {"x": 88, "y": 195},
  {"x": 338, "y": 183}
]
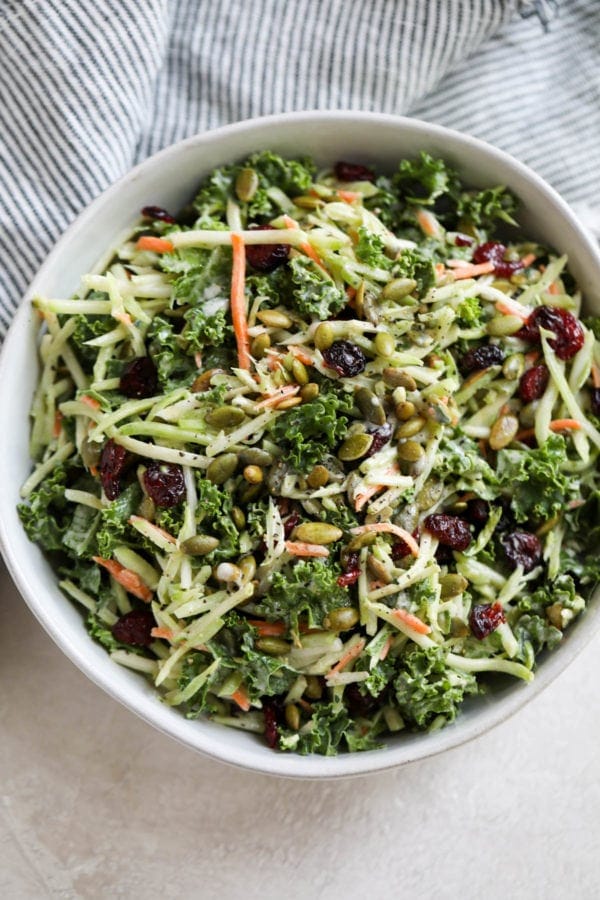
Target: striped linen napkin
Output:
[{"x": 88, "y": 89}]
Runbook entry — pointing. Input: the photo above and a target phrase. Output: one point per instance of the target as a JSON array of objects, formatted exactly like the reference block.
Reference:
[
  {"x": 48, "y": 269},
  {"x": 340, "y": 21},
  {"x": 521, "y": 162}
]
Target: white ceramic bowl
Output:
[{"x": 169, "y": 179}]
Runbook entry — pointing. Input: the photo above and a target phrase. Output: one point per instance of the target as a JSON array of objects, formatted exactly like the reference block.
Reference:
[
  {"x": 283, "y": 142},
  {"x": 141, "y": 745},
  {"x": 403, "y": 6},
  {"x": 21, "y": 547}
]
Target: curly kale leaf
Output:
[
  {"x": 414, "y": 264},
  {"x": 214, "y": 512},
  {"x": 309, "y": 431},
  {"x": 426, "y": 688},
  {"x": 469, "y": 313},
  {"x": 533, "y": 634},
  {"x": 312, "y": 293},
  {"x": 370, "y": 249},
  {"x": 332, "y": 729},
  {"x": 43, "y": 515},
  {"x": 168, "y": 349},
  {"x": 80, "y": 534},
  {"x": 483, "y": 208},
  {"x": 421, "y": 181},
  {"x": 113, "y": 528},
  {"x": 459, "y": 462},
  {"x": 308, "y": 589},
  {"x": 535, "y": 481}
]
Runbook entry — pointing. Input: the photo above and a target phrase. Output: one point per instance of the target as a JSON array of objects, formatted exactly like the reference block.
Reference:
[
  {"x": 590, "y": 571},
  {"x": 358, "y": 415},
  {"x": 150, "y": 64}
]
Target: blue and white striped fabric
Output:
[{"x": 88, "y": 89}]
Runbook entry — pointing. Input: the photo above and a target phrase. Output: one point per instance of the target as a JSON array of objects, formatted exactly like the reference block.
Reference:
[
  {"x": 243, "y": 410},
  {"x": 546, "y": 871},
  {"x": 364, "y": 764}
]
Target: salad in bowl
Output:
[{"x": 318, "y": 453}]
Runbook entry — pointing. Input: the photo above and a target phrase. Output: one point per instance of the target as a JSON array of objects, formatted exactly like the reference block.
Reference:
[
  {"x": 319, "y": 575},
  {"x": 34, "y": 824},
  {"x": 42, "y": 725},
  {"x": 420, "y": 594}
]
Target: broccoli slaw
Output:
[{"x": 318, "y": 455}]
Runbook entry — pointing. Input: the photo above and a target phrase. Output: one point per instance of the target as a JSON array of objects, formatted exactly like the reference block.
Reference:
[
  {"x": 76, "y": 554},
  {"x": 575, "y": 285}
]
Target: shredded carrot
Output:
[
  {"x": 513, "y": 308},
  {"x": 124, "y": 318},
  {"x": 238, "y": 301},
  {"x": 531, "y": 357},
  {"x": 555, "y": 425},
  {"x": 554, "y": 288},
  {"x": 365, "y": 496},
  {"x": 528, "y": 259},
  {"x": 131, "y": 581},
  {"x": 93, "y": 470},
  {"x": 153, "y": 527},
  {"x": 273, "y": 359},
  {"x": 288, "y": 390},
  {"x": 241, "y": 698},
  {"x": 350, "y": 654},
  {"x": 595, "y": 375},
  {"x": 472, "y": 270},
  {"x": 386, "y": 648},
  {"x": 306, "y": 248},
  {"x": 301, "y": 548},
  {"x": 440, "y": 270},
  {"x": 375, "y": 584},
  {"x": 90, "y": 401},
  {"x": 301, "y": 354},
  {"x": 348, "y": 196},
  {"x": 268, "y": 629},
  {"x": 157, "y": 244},
  {"x": 161, "y": 632},
  {"x": 428, "y": 223},
  {"x": 390, "y": 528},
  {"x": 411, "y": 621},
  {"x": 57, "y": 428}
]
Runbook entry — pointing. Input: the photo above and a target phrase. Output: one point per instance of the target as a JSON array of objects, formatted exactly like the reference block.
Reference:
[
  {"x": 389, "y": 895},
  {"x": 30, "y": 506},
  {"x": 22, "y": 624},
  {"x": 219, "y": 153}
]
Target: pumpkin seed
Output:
[
  {"x": 299, "y": 372},
  {"x": 309, "y": 392},
  {"x": 359, "y": 299},
  {"x": 313, "y": 689},
  {"x": 221, "y": 468},
  {"x": 147, "y": 508},
  {"x": 514, "y": 366},
  {"x": 355, "y": 446},
  {"x": 503, "y": 431},
  {"x": 405, "y": 410},
  {"x": 370, "y": 406},
  {"x": 273, "y": 318},
  {"x": 249, "y": 492},
  {"x": 504, "y": 325},
  {"x": 289, "y": 402},
  {"x": 254, "y": 456},
  {"x": 202, "y": 382},
  {"x": 410, "y": 451},
  {"x": 317, "y": 477},
  {"x": 253, "y": 474},
  {"x": 397, "y": 378},
  {"x": 452, "y": 585},
  {"x": 324, "y": 336},
  {"x": 225, "y": 417},
  {"x": 305, "y": 201},
  {"x": 247, "y": 568},
  {"x": 398, "y": 288},
  {"x": 429, "y": 494},
  {"x": 377, "y": 569},
  {"x": 199, "y": 545},
  {"x": 384, "y": 343},
  {"x": 238, "y": 517},
  {"x": 260, "y": 345},
  {"x": 362, "y": 540},
  {"x": 341, "y": 619},
  {"x": 292, "y": 716},
  {"x": 318, "y": 533},
  {"x": 246, "y": 184},
  {"x": 273, "y": 646},
  {"x": 410, "y": 427}
]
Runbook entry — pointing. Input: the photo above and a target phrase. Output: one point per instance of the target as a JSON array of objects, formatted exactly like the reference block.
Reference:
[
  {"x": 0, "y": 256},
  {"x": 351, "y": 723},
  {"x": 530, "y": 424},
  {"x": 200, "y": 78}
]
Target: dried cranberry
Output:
[
  {"x": 485, "y": 618},
  {"x": 271, "y": 730},
  {"x": 346, "y": 358},
  {"x": 463, "y": 240},
  {"x": 351, "y": 572},
  {"x": 568, "y": 333},
  {"x": 359, "y": 704},
  {"x": 345, "y": 171},
  {"x": 113, "y": 461},
  {"x": 493, "y": 251},
  {"x": 452, "y": 531},
  {"x": 533, "y": 383},
  {"x": 596, "y": 401},
  {"x": 522, "y": 548},
  {"x": 134, "y": 628},
  {"x": 266, "y": 257},
  {"x": 139, "y": 378},
  {"x": 400, "y": 549},
  {"x": 482, "y": 357},
  {"x": 381, "y": 436},
  {"x": 290, "y": 523},
  {"x": 477, "y": 512},
  {"x": 164, "y": 483},
  {"x": 157, "y": 212}
]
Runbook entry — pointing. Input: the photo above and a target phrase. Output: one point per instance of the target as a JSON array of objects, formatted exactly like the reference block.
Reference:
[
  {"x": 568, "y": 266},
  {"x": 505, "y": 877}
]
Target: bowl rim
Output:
[{"x": 217, "y": 746}]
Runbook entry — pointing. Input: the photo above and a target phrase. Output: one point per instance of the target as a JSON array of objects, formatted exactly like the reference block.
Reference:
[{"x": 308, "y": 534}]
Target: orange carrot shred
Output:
[
  {"x": 302, "y": 548},
  {"x": 386, "y": 648},
  {"x": 390, "y": 528},
  {"x": 241, "y": 698},
  {"x": 513, "y": 308},
  {"x": 131, "y": 581},
  {"x": 554, "y": 288},
  {"x": 555, "y": 425},
  {"x": 57, "y": 428},
  {"x": 471, "y": 271},
  {"x": 350, "y": 654},
  {"x": 595, "y": 375},
  {"x": 428, "y": 223},
  {"x": 301, "y": 354},
  {"x": 283, "y": 393},
  {"x": 162, "y": 632},
  {"x": 528, "y": 259},
  {"x": 238, "y": 301},
  {"x": 157, "y": 244},
  {"x": 268, "y": 629},
  {"x": 90, "y": 401},
  {"x": 348, "y": 196},
  {"x": 411, "y": 621}
]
